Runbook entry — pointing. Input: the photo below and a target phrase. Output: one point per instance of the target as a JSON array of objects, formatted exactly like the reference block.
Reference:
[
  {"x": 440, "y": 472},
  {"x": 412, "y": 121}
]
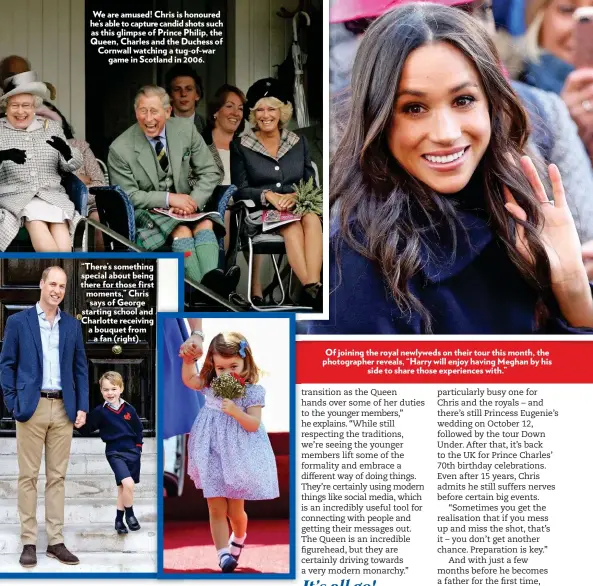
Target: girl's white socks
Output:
[{"x": 236, "y": 551}]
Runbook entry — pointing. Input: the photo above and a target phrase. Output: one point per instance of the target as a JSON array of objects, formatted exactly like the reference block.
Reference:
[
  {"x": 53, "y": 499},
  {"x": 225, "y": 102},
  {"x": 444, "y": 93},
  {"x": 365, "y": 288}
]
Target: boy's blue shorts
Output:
[{"x": 125, "y": 463}]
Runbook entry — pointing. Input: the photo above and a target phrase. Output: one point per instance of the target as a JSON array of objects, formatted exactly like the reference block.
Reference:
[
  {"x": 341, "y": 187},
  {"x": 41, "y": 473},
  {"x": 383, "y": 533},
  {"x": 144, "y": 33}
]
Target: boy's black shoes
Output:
[
  {"x": 132, "y": 522},
  {"x": 120, "y": 527}
]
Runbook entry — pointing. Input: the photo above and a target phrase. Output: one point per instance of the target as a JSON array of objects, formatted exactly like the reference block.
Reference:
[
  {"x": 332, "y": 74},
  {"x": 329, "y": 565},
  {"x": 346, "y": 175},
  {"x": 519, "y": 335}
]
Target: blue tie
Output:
[{"x": 161, "y": 154}]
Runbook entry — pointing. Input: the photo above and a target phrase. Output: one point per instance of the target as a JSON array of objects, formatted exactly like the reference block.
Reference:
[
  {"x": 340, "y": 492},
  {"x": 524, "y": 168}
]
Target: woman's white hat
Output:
[{"x": 24, "y": 83}]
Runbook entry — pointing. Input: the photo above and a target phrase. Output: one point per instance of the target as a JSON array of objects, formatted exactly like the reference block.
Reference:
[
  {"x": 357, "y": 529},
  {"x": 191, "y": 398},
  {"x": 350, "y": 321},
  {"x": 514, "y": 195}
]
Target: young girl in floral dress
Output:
[{"x": 230, "y": 456}]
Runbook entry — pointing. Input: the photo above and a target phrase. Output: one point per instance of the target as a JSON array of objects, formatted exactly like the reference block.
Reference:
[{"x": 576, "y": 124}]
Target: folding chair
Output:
[{"x": 248, "y": 236}]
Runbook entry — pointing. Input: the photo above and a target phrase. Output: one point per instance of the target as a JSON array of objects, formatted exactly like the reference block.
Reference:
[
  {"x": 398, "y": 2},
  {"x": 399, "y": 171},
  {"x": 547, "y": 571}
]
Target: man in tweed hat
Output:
[
  {"x": 152, "y": 162},
  {"x": 33, "y": 153}
]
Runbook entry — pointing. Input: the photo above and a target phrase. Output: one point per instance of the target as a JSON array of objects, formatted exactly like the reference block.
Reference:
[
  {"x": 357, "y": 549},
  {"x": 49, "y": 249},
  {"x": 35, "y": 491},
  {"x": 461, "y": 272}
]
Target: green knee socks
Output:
[
  {"x": 190, "y": 261},
  {"x": 206, "y": 247}
]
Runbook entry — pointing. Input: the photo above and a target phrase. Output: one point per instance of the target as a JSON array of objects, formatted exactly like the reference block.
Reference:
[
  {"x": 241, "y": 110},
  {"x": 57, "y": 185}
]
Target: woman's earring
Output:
[{"x": 215, "y": 116}]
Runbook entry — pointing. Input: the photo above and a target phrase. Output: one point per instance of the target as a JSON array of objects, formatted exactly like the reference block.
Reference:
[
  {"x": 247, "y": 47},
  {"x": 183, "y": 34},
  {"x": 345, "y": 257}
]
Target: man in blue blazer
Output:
[{"x": 44, "y": 379}]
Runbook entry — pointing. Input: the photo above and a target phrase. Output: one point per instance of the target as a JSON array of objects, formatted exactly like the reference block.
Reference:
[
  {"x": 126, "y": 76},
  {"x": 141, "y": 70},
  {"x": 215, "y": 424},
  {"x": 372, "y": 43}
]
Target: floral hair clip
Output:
[{"x": 242, "y": 345}]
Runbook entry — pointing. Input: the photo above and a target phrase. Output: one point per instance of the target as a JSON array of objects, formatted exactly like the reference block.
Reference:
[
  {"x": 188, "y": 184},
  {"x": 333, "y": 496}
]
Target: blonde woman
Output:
[
  {"x": 549, "y": 48},
  {"x": 267, "y": 162}
]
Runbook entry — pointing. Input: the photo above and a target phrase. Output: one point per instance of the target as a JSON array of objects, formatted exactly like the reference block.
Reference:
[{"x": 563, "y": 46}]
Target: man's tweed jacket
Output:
[{"x": 132, "y": 166}]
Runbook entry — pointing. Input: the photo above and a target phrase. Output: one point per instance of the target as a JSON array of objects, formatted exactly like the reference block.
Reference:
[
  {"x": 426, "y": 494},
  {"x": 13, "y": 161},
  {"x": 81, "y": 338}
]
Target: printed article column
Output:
[
  {"x": 361, "y": 493},
  {"x": 445, "y": 463}
]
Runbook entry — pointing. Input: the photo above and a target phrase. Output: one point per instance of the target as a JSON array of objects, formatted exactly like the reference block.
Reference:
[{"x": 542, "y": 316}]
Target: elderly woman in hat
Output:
[
  {"x": 34, "y": 151},
  {"x": 268, "y": 161}
]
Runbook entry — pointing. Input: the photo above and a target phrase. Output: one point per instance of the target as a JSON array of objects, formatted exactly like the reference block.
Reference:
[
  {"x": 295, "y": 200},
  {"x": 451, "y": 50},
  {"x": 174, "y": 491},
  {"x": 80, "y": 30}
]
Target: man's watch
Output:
[{"x": 198, "y": 333}]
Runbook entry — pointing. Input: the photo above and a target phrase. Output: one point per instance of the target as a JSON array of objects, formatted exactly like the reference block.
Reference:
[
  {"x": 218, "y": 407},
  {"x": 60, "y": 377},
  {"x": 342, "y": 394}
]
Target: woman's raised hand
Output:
[
  {"x": 61, "y": 146},
  {"x": 558, "y": 233},
  {"x": 570, "y": 284}
]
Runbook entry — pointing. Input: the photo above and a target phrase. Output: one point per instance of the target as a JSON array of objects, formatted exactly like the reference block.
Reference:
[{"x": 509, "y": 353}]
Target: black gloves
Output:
[
  {"x": 17, "y": 156},
  {"x": 61, "y": 146}
]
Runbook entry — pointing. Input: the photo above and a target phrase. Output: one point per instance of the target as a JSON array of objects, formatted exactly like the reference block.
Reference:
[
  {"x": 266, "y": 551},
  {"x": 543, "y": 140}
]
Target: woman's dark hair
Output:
[
  {"x": 219, "y": 99},
  {"x": 183, "y": 70},
  {"x": 372, "y": 195}
]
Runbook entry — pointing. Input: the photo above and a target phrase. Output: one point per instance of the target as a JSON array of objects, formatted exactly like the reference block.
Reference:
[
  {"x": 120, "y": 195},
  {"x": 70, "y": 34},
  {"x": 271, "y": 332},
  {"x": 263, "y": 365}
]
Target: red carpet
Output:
[{"x": 189, "y": 548}]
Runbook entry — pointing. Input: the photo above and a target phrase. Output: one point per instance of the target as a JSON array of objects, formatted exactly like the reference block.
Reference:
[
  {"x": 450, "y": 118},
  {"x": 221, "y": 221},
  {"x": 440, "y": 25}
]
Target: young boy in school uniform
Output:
[{"x": 121, "y": 429}]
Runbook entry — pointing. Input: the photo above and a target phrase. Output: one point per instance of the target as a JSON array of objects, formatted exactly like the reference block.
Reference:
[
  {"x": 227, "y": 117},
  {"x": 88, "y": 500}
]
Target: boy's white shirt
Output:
[{"x": 121, "y": 402}]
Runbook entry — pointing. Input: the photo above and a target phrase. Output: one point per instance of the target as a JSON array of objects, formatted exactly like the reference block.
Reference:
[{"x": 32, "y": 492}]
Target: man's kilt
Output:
[{"x": 153, "y": 229}]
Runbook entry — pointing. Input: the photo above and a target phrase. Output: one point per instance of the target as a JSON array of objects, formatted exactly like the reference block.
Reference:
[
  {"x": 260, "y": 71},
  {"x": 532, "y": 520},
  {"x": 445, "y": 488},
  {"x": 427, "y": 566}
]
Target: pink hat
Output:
[{"x": 344, "y": 10}]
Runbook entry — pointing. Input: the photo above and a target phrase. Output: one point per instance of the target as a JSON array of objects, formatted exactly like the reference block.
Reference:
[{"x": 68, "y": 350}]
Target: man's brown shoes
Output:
[
  {"x": 60, "y": 552},
  {"x": 28, "y": 558}
]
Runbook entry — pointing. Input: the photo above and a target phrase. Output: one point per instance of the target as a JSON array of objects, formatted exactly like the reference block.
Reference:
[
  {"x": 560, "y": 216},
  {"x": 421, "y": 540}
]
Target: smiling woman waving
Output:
[{"x": 441, "y": 223}]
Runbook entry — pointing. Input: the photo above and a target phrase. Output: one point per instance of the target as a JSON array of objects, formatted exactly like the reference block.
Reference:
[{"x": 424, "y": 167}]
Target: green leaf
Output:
[{"x": 309, "y": 198}]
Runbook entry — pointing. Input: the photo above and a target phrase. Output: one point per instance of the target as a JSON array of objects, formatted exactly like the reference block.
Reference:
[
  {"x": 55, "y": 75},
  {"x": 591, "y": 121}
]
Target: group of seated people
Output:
[{"x": 171, "y": 158}]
